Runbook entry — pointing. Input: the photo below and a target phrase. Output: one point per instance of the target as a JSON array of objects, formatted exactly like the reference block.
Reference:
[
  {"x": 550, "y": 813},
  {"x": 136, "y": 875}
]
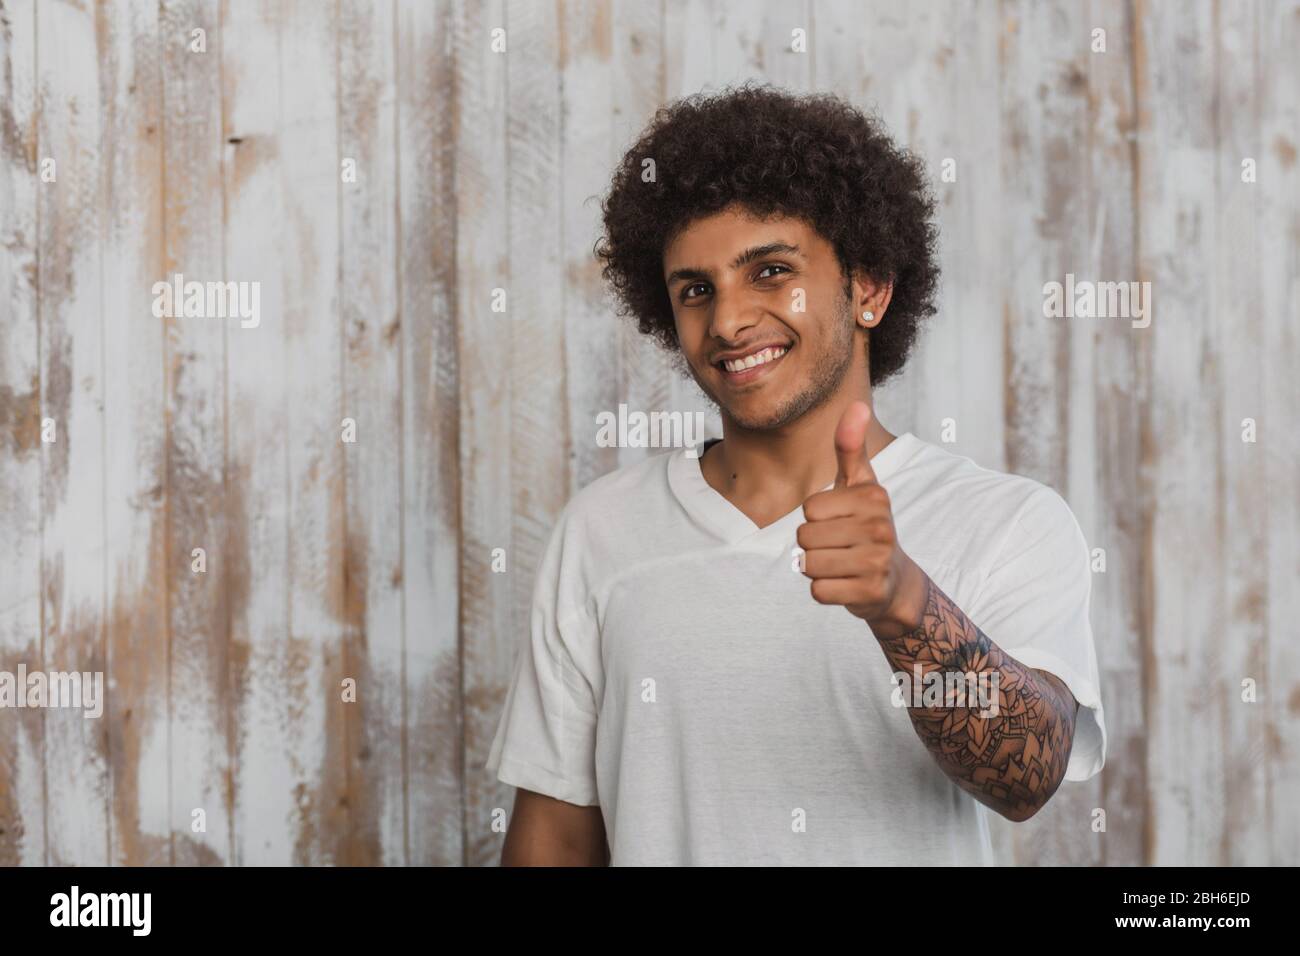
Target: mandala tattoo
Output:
[{"x": 1012, "y": 756}]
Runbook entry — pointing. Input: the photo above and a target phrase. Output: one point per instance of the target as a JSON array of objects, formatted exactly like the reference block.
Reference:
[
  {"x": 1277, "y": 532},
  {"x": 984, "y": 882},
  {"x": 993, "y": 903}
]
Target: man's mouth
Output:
[{"x": 752, "y": 365}]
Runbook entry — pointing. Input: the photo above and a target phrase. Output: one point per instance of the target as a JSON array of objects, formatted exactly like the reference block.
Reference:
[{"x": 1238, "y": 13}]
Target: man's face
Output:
[{"x": 745, "y": 289}]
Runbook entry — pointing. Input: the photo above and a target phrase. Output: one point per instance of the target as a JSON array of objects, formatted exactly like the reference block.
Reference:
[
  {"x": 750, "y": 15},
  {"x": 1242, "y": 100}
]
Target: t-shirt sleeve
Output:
[
  {"x": 1034, "y": 605},
  {"x": 546, "y": 738}
]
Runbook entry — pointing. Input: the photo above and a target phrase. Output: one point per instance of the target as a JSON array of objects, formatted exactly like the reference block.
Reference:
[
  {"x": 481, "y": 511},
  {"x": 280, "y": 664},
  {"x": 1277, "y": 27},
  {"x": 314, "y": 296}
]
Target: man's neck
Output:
[{"x": 769, "y": 473}]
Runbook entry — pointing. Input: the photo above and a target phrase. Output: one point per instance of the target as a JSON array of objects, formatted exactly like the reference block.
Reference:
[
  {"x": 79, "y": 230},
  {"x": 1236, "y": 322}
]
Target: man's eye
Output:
[
  {"x": 686, "y": 293},
  {"x": 768, "y": 269}
]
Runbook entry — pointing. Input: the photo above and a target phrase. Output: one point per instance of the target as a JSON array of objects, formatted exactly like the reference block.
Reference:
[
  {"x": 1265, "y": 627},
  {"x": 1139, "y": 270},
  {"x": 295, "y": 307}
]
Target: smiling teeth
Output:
[{"x": 749, "y": 361}]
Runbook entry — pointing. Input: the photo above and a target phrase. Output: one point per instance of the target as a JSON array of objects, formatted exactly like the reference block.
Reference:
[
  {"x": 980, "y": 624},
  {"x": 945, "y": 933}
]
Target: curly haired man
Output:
[{"x": 732, "y": 657}]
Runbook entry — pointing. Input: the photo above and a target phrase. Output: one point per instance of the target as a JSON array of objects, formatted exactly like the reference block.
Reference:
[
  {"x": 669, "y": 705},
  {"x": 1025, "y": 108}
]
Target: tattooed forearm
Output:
[{"x": 1008, "y": 751}]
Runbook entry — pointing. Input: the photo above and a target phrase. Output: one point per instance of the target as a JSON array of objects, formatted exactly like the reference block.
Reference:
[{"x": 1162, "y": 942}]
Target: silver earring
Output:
[{"x": 867, "y": 317}]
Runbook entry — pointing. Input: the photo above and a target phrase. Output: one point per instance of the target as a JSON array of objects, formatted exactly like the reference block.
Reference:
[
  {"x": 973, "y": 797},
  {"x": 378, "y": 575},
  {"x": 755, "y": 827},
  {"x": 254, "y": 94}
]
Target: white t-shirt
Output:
[{"x": 679, "y": 674}]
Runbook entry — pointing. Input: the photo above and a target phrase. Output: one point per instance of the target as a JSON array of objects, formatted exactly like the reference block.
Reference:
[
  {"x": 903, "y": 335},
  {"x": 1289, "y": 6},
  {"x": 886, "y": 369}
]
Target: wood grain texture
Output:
[
  {"x": 22, "y": 747},
  {"x": 430, "y": 433},
  {"x": 1182, "y": 468},
  {"x": 479, "y": 170},
  {"x": 316, "y": 718},
  {"x": 376, "y": 747},
  {"x": 199, "y": 504},
  {"x": 271, "y": 816},
  {"x": 484, "y": 341},
  {"x": 1238, "y": 283},
  {"x": 71, "y": 209},
  {"x": 1103, "y": 473},
  {"x": 1278, "y": 229},
  {"x": 135, "y": 405},
  {"x": 531, "y": 334}
]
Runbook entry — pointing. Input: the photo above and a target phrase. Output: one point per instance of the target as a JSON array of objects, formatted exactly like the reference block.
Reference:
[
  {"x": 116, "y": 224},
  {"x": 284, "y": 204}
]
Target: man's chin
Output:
[
  {"x": 760, "y": 419},
  {"x": 765, "y": 414}
]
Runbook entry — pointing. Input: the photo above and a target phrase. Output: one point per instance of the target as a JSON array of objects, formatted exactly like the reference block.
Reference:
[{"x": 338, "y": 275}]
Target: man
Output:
[{"x": 731, "y": 658}]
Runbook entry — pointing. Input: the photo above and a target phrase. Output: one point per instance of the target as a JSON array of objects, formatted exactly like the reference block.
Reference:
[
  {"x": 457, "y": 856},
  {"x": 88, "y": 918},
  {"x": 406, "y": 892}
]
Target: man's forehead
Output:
[{"x": 720, "y": 236}]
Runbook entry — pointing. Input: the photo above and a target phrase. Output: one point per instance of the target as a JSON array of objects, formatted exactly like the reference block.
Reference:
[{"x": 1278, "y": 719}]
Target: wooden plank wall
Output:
[{"x": 479, "y": 170}]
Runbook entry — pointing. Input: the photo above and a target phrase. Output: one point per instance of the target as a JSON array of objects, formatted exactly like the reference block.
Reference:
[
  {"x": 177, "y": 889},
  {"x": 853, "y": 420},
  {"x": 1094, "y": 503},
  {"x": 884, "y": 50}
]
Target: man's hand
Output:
[{"x": 851, "y": 549}]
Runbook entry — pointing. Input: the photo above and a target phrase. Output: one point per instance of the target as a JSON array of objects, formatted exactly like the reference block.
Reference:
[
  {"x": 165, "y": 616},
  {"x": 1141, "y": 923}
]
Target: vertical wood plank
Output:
[
  {"x": 488, "y": 635},
  {"x": 1182, "y": 472},
  {"x": 285, "y": 428},
  {"x": 199, "y": 500},
  {"x": 376, "y": 742},
  {"x": 1242, "y": 531},
  {"x": 134, "y": 493},
  {"x": 1104, "y": 439},
  {"x": 22, "y": 748},
  {"x": 272, "y": 814},
  {"x": 309, "y": 171},
  {"x": 73, "y": 571},
  {"x": 431, "y": 551},
  {"x": 1278, "y": 453}
]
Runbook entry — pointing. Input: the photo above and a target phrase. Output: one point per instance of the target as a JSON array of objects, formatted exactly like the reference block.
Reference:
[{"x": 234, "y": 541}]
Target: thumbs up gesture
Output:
[{"x": 851, "y": 549}]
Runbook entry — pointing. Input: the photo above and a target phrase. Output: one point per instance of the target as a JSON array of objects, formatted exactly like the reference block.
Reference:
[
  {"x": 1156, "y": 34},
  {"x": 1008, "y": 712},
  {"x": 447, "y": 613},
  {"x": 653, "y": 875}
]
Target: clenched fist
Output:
[{"x": 851, "y": 549}]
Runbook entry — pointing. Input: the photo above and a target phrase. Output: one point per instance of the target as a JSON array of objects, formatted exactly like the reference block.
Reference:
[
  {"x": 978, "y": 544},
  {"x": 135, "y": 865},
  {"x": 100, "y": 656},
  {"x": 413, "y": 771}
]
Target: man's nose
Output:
[{"x": 732, "y": 314}]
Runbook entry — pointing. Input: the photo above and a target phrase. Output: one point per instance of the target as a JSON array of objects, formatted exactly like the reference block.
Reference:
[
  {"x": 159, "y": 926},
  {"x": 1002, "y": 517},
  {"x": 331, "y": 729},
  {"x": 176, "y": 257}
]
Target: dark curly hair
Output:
[{"x": 810, "y": 156}]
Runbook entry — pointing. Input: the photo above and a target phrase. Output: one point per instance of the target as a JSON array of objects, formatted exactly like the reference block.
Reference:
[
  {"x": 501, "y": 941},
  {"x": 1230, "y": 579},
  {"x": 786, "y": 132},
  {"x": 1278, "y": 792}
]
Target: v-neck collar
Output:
[{"x": 714, "y": 510}]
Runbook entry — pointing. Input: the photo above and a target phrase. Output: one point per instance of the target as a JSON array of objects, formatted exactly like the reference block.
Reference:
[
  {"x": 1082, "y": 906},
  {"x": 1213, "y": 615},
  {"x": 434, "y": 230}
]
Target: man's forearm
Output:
[
  {"x": 1010, "y": 755},
  {"x": 545, "y": 831}
]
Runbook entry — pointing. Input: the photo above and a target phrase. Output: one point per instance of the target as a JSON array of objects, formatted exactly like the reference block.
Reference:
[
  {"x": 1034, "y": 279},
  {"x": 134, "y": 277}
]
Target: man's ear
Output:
[{"x": 873, "y": 296}]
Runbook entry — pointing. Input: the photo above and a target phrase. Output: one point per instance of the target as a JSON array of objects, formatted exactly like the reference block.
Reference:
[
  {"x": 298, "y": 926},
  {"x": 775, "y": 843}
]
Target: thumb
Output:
[{"x": 851, "y": 447}]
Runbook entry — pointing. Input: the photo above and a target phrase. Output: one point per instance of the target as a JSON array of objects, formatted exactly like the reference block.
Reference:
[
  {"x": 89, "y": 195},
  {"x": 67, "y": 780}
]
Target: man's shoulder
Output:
[
  {"x": 621, "y": 491},
  {"x": 961, "y": 514},
  {"x": 965, "y": 484}
]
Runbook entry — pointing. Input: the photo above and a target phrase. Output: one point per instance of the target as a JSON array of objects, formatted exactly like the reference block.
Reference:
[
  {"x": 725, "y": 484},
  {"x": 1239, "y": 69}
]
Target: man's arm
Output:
[
  {"x": 548, "y": 832},
  {"x": 1009, "y": 751},
  {"x": 1013, "y": 760}
]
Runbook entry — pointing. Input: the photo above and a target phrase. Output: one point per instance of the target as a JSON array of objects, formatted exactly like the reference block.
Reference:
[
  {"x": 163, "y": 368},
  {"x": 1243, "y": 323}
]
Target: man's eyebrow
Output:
[{"x": 746, "y": 257}]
